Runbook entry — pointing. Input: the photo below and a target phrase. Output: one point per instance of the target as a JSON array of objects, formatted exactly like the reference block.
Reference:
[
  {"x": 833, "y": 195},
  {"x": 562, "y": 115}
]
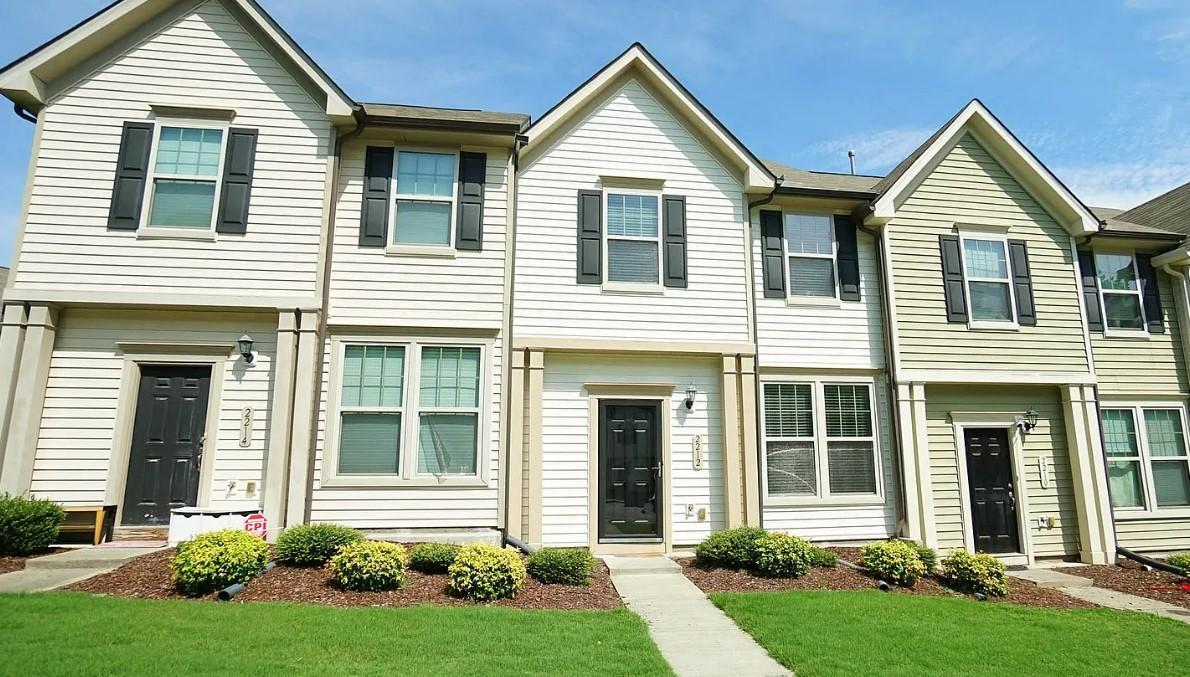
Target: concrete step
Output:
[
  {"x": 87, "y": 558},
  {"x": 40, "y": 580},
  {"x": 1049, "y": 578},
  {"x": 624, "y": 564}
]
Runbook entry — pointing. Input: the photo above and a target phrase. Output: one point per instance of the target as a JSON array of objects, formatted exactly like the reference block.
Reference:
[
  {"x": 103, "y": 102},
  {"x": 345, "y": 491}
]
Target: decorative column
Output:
[
  {"x": 28, "y": 397},
  {"x": 915, "y": 463},
  {"x": 749, "y": 414},
  {"x": 276, "y": 472},
  {"x": 536, "y": 386},
  {"x": 307, "y": 373},
  {"x": 1088, "y": 471},
  {"x": 514, "y": 471},
  {"x": 12, "y": 341},
  {"x": 731, "y": 443}
]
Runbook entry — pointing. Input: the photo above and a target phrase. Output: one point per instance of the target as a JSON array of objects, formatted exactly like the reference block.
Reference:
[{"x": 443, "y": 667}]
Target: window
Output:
[
  {"x": 439, "y": 419},
  {"x": 989, "y": 287},
  {"x": 186, "y": 170},
  {"x": 1148, "y": 463},
  {"x": 819, "y": 440},
  {"x": 810, "y": 251},
  {"x": 633, "y": 238},
  {"x": 425, "y": 197},
  {"x": 1120, "y": 288}
]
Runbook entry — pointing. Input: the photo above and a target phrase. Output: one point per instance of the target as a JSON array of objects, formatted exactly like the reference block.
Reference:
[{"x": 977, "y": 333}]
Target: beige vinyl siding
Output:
[
  {"x": 1161, "y": 535},
  {"x": 1153, "y": 365},
  {"x": 75, "y": 454},
  {"x": 407, "y": 507},
  {"x": 1048, "y": 440},
  {"x": 204, "y": 57},
  {"x": 630, "y": 134},
  {"x": 845, "y": 335},
  {"x": 566, "y": 437},
  {"x": 369, "y": 286},
  {"x": 969, "y": 187}
]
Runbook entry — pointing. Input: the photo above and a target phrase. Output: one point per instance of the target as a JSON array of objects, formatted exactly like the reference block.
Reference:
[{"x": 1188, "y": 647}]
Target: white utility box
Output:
[{"x": 186, "y": 523}]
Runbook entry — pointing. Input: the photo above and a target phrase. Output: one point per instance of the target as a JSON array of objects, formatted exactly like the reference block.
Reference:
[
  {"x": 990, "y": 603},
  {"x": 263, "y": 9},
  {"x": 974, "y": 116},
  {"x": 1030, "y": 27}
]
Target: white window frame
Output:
[
  {"x": 1150, "y": 508},
  {"x": 1143, "y": 330},
  {"x": 972, "y": 321},
  {"x": 612, "y": 285},
  {"x": 820, "y": 439},
  {"x": 402, "y": 450},
  {"x": 410, "y": 416},
  {"x": 833, "y": 257},
  {"x": 151, "y": 176},
  {"x": 394, "y": 247}
]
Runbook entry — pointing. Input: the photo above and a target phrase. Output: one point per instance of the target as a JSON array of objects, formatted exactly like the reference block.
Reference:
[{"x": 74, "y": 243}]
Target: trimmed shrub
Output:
[
  {"x": 821, "y": 557},
  {"x": 483, "y": 572},
  {"x": 896, "y": 562},
  {"x": 731, "y": 548},
  {"x": 567, "y": 566},
  {"x": 432, "y": 558},
  {"x": 782, "y": 556},
  {"x": 928, "y": 557},
  {"x": 1181, "y": 561},
  {"x": 314, "y": 544},
  {"x": 216, "y": 560},
  {"x": 28, "y": 525},
  {"x": 971, "y": 573},
  {"x": 370, "y": 566}
]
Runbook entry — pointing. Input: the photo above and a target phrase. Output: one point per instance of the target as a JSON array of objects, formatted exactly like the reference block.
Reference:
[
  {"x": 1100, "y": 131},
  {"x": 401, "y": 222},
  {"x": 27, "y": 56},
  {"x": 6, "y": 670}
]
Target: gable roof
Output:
[
  {"x": 1168, "y": 211},
  {"x": 858, "y": 186},
  {"x": 976, "y": 119},
  {"x": 1117, "y": 224},
  {"x": 757, "y": 176},
  {"x": 25, "y": 80},
  {"x": 459, "y": 118}
]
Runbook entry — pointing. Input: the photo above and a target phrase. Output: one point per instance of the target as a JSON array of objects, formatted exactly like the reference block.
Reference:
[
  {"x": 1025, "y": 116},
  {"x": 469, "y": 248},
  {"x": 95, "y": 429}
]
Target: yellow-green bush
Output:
[
  {"x": 730, "y": 548},
  {"x": 483, "y": 572},
  {"x": 370, "y": 565},
  {"x": 897, "y": 562},
  {"x": 1180, "y": 560},
  {"x": 216, "y": 560},
  {"x": 780, "y": 555},
  {"x": 971, "y": 573}
]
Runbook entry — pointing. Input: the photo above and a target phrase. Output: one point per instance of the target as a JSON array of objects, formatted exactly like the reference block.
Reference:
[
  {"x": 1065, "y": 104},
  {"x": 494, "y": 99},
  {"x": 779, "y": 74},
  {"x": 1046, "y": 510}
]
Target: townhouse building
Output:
[{"x": 612, "y": 326}]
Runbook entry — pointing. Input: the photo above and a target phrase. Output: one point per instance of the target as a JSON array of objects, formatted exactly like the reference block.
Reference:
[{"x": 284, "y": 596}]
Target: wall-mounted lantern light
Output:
[
  {"x": 1028, "y": 421},
  {"x": 691, "y": 391},
  {"x": 245, "y": 345}
]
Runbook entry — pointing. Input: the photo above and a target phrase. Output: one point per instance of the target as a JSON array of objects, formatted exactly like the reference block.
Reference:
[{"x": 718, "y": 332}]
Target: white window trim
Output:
[
  {"x": 820, "y": 439},
  {"x": 633, "y": 287},
  {"x": 798, "y": 299},
  {"x": 1150, "y": 509},
  {"x": 151, "y": 176},
  {"x": 972, "y": 322},
  {"x": 411, "y": 412},
  {"x": 1121, "y": 332},
  {"x": 421, "y": 249}
]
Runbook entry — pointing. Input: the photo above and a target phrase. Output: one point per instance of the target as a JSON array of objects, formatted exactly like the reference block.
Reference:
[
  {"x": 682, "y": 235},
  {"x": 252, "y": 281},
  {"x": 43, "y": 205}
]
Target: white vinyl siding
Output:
[
  {"x": 205, "y": 56},
  {"x": 630, "y": 133}
]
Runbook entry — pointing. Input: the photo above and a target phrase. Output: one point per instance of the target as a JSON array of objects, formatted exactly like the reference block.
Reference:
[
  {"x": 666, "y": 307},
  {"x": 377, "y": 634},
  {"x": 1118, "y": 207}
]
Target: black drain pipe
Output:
[
  {"x": 23, "y": 113},
  {"x": 1149, "y": 561}
]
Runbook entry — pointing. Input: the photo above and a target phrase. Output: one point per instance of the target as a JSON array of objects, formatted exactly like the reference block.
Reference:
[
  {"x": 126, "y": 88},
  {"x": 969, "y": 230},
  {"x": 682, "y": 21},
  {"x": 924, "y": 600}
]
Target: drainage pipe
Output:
[
  {"x": 1149, "y": 561},
  {"x": 23, "y": 113},
  {"x": 226, "y": 594},
  {"x": 518, "y": 544}
]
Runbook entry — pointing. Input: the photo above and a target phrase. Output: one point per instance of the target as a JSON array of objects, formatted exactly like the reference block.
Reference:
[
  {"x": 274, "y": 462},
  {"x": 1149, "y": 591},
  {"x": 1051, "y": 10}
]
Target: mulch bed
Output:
[
  {"x": 147, "y": 577},
  {"x": 9, "y": 564},
  {"x": 1131, "y": 578},
  {"x": 843, "y": 577}
]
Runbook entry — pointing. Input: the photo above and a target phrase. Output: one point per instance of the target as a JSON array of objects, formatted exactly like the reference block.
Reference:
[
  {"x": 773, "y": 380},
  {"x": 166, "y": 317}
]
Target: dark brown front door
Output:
[
  {"x": 629, "y": 471},
  {"x": 167, "y": 440},
  {"x": 993, "y": 503}
]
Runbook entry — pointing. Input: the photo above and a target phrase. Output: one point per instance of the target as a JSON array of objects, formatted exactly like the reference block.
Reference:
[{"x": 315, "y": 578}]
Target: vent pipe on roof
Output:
[{"x": 851, "y": 158}]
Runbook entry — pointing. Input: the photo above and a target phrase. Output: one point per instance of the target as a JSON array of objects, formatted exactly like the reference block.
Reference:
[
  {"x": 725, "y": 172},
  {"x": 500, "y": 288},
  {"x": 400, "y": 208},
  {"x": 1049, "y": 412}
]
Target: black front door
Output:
[
  {"x": 167, "y": 439},
  {"x": 993, "y": 503},
  {"x": 629, "y": 470}
]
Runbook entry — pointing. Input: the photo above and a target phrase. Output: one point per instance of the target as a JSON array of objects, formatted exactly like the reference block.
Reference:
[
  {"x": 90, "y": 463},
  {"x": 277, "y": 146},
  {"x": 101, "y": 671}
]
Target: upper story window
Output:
[
  {"x": 989, "y": 287},
  {"x": 811, "y": 253},
  {"x": 1119, "y": 287},
  {"x": 633, "y": 237},
  {"x": 1148, "y": 464},
  {"x": 425, "y": 198},
  {"x": 185, "y": 177}
]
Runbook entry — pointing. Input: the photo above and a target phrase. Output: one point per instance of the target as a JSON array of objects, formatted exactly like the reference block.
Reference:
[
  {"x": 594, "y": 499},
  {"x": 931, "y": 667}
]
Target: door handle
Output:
[
  {"x": 199, "y": 448},
  {"x": 1011, "y": 498}
]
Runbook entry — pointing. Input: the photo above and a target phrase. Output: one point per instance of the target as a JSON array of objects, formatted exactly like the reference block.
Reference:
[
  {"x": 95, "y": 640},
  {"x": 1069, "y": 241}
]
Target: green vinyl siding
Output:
[
  {"x": 1048, "y": 439},
  {"x": 1154, "y": 534},
  {"x": 969, "y": 188},
  {"x": 1149, "y": 366}
]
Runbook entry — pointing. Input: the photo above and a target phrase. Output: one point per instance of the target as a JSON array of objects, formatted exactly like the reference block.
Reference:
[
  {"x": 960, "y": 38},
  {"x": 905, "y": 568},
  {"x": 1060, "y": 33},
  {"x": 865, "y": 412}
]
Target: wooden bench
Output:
[{"x": 98, "y": 520}]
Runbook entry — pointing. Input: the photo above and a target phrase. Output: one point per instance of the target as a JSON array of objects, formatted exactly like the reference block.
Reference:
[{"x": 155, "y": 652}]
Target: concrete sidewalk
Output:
[
  {"x": 695, "y": 637},
  {"x": 64, "y": 568},
  {"x": 1083, "y": 588}
]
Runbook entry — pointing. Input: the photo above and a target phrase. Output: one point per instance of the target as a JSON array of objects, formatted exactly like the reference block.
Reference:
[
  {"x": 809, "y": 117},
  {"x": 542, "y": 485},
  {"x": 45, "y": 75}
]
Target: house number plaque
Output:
[
  {"x": 246, "y": 427},
  {"x": 696, "y": 451}
]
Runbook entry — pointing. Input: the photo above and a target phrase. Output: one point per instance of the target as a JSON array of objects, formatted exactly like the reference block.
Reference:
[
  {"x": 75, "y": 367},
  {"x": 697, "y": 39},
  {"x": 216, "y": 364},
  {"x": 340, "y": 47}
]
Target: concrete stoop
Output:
[
  {"x": 60, "y": 569},
  {"x": 1084, "y": 589}
]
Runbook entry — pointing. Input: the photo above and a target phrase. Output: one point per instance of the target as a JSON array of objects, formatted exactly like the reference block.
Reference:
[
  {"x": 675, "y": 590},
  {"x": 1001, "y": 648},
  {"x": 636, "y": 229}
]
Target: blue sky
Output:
[{"x": 1099, "y": 90}]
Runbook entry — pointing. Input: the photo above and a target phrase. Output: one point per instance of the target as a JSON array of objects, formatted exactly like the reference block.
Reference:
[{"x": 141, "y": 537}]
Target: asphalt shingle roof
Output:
[
  {"x": 1170, "y": 211},
  {"x": 444, "y": 116}
]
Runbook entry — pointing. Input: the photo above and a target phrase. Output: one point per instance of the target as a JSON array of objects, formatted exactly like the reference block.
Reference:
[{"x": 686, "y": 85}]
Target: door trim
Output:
[
  {"x": 117, "y": 474},
  {"x": 661, "y": 395},
  {"x": 960, "y": 421}
]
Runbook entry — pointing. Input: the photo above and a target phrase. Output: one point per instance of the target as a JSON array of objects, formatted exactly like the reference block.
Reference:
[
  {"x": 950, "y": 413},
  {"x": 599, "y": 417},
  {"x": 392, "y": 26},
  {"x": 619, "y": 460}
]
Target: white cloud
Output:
[
  {"x": 875, "y": 152},
  {"x": 1122, "y": 185}
]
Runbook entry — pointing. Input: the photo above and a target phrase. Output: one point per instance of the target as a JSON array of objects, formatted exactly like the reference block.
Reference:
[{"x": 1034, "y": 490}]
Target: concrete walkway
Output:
[
  {"x": 695, "y": 637},
  {"x": 1084, "y": 589},
  {"x": 55, "y": 571}
]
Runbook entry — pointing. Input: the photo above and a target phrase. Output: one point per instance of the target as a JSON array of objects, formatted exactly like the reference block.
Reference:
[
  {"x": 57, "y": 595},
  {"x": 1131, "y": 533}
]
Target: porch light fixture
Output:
[
  {"x": 691, "y": 391},
  {"x": 245, "y": 344},
  {"x": 1028, "y": 421}
]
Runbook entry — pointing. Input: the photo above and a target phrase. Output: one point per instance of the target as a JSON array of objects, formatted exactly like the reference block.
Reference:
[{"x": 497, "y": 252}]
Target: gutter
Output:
[
  {"x": 505, "y": 471},
  {"x": 827, "y": 193},
  {"x": 24, "y": 113}
]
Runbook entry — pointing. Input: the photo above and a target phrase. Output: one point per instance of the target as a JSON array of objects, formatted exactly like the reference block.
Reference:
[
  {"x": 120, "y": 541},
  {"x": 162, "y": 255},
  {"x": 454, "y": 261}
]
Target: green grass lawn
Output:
[
  {"x": 820, "y": 633},
  {"x": 75, "y": 634}
]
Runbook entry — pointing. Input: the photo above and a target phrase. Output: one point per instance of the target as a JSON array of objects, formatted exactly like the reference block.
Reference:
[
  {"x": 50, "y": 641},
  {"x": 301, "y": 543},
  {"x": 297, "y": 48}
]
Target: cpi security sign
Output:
[{"x": 257, "y": 525}]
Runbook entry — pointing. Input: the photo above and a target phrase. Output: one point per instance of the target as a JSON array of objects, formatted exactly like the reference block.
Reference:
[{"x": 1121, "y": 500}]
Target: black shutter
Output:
[
  {"x": 1086, "y": 267},
  {"x": 674, "y": 230},
  {"x": 590, "y": 237},
  {"x": 1022, "y": 282},
  {"x": 473, "y": 168},
  {"x": 848, "y": 258},
  {"x": 952, "y": 278},
  {"x": 378, "y": 173},
  {"x": 772, "y": 249},
  {"x": 237, "y": 181},
  {"x": 1150, "y": 293},
  {"x": 132, "y": 169}
]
